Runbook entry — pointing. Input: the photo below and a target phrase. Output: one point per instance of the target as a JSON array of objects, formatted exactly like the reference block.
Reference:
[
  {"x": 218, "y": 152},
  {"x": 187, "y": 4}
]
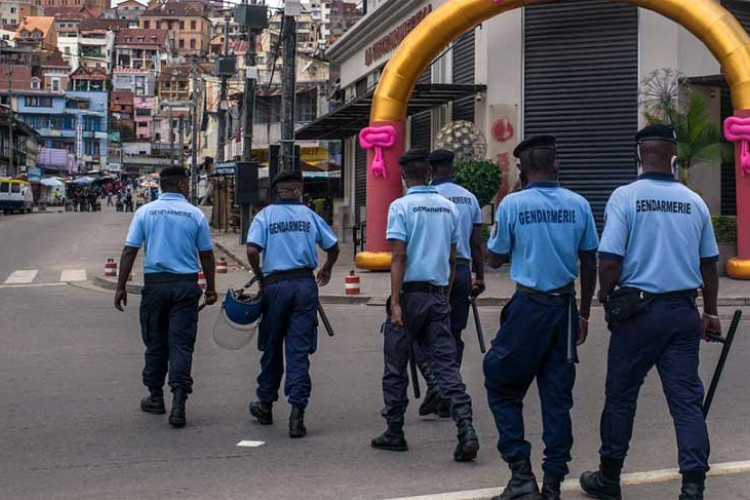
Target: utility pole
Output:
[
  {"x": 248, "y": 117},
  {"x": 221, "y": 136},
  {"x": 181, "y": 129},
  {"x": 11, "y": 124},
  {"x": 289, "y": 83},
  {"x": 171, "y": 136},
  {"x": 194, "y": 125}
]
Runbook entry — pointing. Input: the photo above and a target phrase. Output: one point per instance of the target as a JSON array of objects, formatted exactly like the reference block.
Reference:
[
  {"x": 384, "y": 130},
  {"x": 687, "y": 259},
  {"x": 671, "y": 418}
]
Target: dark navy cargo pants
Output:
[
  {"x": 667, "y": 334},
  {"x": 459, "y": 300},
  {"x": 169, "y": 321},
  {"x": 427, "y": 319},
  {"x": 289, "y": 325},
  {"x": 532, "y": 343}
]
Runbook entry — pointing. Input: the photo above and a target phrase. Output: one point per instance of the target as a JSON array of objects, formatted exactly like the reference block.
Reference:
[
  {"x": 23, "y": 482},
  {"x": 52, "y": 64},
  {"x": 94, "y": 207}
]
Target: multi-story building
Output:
[
  {"x": 130, "y": 10},
  {"x": 54, "y": 72},
  {"x": 96, "y": 42},
  {"x": 143, "y": 107},
  {"x": 143, "y": 49},
  {"x": 68, "y": 18},
  {"x": 334, "y": 17},
  {"x": 24, "y": 147},
  {"x": 88, "y": 101},
  {"x": 187, "y": 23},
  {"x": 13, "y": 12},
  {"x": 141, "y": 82},
  {"x": 37, "y": 32},
  {"x": 96, "y": 4}
]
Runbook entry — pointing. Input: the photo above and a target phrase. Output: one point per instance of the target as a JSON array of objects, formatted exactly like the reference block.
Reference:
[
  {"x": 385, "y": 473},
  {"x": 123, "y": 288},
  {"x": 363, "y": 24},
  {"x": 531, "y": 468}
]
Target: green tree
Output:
[
  {"x": 699, "y": 139},
  {"x": 482, "y": 177}
]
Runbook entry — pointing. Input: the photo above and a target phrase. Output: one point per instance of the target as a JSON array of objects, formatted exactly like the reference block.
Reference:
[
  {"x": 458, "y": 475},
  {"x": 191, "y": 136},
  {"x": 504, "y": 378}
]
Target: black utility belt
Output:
[
  {"x": 569, "y": 289},
  {"x": 625, "y": 303},
  {"x": 287, "y": 275},
  {"x": 424, "y": 287},
  {"x": 160, "y": 278}
]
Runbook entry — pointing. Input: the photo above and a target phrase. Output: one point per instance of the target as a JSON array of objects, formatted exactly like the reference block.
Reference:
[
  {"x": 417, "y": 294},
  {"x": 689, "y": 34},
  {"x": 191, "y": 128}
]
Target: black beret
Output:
[
  {"x": 172, "y": 172},
  {"x": 657, "y": 133},
  {"x": 441, "y": 156},
  {"x": 289, "y": 176},
  {"x": 413, "y": 155},
  {"x": 534, "y": 142}
]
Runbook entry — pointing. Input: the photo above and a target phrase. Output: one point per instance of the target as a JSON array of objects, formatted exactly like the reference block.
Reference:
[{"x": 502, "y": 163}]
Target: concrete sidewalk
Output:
[{"x": 375, "y": 286}]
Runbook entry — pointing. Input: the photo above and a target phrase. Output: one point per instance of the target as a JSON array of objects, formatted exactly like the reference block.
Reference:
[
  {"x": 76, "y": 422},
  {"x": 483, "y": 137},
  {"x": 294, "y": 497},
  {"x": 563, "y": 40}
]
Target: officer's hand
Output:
[
  {"x": 583, "y": 331},
  {"x": 121, "y": 299},
  {"x": 211, "y": 297},
  {"x": 324, "y": 276},
  {"x": 477, "y": 288},
  {"x": 711, "y": 325},
  {"x": 397, "y": 318}
]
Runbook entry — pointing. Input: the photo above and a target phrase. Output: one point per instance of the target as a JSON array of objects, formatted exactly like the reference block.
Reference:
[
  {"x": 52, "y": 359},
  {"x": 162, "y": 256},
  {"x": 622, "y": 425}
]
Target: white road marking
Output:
[
  {"x": 22, "y": 277},
  {"x": 250, "y": 444},
  {"x": 571, "y": 485},
  {"x": 71, "y": 275},
  {"x": 33, "y": 285}
]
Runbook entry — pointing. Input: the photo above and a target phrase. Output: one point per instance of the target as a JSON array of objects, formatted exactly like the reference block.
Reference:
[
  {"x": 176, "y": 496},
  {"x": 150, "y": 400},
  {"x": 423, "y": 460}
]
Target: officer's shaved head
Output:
[
  {"x": 542, "y": 160},
  {"x": 415, "y": 166},
  {"x": 657, "y": 154}
]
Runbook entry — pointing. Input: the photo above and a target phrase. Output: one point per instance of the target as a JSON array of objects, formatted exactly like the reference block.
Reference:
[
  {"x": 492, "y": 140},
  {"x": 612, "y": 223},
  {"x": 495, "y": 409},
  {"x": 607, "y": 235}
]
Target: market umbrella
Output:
[
  {"x": 52, "y": 182},
  {"x": 84, "y": 181}
]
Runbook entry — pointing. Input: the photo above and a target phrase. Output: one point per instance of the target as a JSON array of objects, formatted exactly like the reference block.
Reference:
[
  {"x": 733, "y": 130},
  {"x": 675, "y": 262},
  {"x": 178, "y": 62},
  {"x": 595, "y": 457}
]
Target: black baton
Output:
[
  {"x": 478, "y": 324},
  {"x": 324, "y": 318},
  {"x": 727, "y": 342},
  {"x": 413, "y": 368},
  {"x": 572, "y": 354}
]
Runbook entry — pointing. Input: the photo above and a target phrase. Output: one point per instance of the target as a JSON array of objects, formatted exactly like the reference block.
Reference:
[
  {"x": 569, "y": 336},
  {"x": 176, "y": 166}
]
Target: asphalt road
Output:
[{"x": 70, "y": 426}]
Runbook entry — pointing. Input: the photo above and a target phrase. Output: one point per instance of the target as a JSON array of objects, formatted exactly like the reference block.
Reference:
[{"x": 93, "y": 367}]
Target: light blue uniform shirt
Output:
[
  {"x": 173, "y": 231},
  {"x": 542, "y": 230},
  {"x": 469, "y": 213},
  {"x": 660, "y": 231},
  {"x": 287, "y": 233},
  {"x": 428, "y": 223}
]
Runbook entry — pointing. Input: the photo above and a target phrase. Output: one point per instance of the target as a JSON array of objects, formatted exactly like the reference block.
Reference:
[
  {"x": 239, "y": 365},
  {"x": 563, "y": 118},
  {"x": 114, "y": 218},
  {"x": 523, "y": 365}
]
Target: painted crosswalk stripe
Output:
[
  {"x": 71, "y": 275},
  {"x": 22, "y": 277},
  {"x": 250, "y": 444}
]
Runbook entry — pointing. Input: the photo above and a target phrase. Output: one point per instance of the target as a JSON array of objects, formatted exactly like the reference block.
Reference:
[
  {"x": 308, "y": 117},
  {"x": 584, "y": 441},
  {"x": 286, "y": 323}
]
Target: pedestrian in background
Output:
[
  {"x": 287, "y": 233},
  {"x": 176, "y": 237},
  {"x": 423, "y": 227},
  {"x": 544, "y": 231},
  {"x": 658, "y": 248}
]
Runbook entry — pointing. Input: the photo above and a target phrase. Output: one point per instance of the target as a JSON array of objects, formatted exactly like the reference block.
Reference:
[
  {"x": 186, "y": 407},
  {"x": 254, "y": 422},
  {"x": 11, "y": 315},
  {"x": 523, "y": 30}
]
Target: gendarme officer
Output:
[
  {"x": 423, "y": 227},
  {"x": 658, "y": 248},
  {"x": 176, "y": 236},
  {"x": 469, "y": 251},
  {"x": 544, "y": 231},
  {"x": 287, "y": 233}
]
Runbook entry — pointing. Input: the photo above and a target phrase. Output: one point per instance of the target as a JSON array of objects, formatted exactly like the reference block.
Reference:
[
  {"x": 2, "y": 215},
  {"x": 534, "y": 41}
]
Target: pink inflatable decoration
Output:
[
  {"x": 377, "y": 138},
  {"x": 738, "y": 130}
]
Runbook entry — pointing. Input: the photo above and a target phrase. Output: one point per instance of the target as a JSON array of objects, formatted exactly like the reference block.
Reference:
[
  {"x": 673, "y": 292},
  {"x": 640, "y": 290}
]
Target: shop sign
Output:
[
  {"x": 503, "y": 139},
  {"x": 389, "y": 42},
  {"x": 34, "y": 174}
]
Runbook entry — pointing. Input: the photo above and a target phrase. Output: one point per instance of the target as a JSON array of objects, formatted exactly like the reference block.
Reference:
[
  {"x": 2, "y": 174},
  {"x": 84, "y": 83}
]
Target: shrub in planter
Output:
[
  {"x": 482, "y": 177},
  {"x": 725, "y": 228}
]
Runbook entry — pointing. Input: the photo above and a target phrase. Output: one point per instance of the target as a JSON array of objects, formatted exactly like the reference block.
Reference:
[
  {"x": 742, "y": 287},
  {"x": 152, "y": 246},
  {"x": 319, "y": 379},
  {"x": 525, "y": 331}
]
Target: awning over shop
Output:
[{"x": 353, "y": 116}]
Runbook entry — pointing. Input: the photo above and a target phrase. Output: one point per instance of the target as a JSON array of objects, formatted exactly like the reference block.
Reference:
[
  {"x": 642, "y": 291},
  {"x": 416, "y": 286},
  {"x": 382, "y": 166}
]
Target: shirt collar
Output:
[
  {"x": 448, "y": 180},
  {"x": 656, "y": 176},
  {"x": 542, "y": 184},
  {"x": 421, "y": 189},
  {"x": 172, "y": 196},
  {"x": 287, "y": 202}
]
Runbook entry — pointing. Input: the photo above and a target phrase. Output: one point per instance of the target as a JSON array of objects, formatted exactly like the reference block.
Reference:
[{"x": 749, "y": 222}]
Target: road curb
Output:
[{"x": 349, "y": 300}]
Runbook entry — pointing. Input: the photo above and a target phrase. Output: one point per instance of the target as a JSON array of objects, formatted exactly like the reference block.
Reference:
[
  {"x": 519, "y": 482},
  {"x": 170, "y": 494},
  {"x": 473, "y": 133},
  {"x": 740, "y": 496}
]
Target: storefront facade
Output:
[{"x": 572, "y": 68}]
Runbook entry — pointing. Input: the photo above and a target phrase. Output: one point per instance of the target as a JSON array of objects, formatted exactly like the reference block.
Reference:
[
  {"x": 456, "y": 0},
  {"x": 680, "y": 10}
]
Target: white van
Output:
[{"x": 15, "y": 195}]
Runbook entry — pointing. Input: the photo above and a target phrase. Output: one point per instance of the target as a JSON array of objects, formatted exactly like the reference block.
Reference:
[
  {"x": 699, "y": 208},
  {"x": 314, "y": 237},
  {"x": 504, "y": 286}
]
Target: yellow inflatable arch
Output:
[{"x": 706, "y": 19}]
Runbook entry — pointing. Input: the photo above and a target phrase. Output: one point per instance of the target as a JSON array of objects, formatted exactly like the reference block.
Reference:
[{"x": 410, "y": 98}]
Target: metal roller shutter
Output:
[
  {"x": 581, "y": 84},
  {"x": 421, "y": 124},
  {"x": 463, "y": 72},
  {"x": 360, "y": 181},
  {"x": 741, "y": 11}
]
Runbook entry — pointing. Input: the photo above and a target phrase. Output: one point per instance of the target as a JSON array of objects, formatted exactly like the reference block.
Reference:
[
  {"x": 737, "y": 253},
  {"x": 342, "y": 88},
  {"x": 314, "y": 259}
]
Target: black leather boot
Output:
[
  {"x": 432, "y": 397},
  {"x": 522, "y": 484},
  {"x": 263, "y": 412},
  {"x": 297, "y": 427},
  {"x": 177, "y": 415},
  {"x": 444, "y": 409},
  {"x": 468, "y": 443},
  {"x": 604, "y": 484},
  {"x": 551, "y": 487},
  {"x": 693, "y": 486},
  {"x": 154, "y": 402},
  {"x": 391, "y": 440}
]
